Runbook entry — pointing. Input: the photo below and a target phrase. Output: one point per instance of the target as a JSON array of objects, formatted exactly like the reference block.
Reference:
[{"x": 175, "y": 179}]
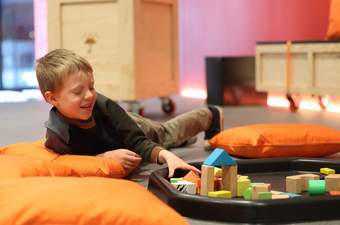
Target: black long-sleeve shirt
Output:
[{"x": 112, "y": 128}]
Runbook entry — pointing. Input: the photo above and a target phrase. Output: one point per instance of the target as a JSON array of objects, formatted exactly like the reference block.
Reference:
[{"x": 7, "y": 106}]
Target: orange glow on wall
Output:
[
  {"x": 309, "y": 103},
  {"x": 194, "y": 93},
  {"x": 306, "y": 102},
  {"x": 277, "y": 100},
  {"x": 332, "y": 103}
]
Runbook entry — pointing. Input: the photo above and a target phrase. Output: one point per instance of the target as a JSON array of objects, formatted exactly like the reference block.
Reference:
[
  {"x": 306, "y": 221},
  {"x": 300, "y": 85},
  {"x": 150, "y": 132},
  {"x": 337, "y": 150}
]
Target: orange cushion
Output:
[
  {"x": 12, "y": 166},
  {"x": 72, "y": 200},
  {"x": 333, "y": 31},
  {"x": 278, "y": 140},
  {"x": 89, "y": 166},
  {"x": 34, "y": 149},
  {"x": 66, "y": 165}
]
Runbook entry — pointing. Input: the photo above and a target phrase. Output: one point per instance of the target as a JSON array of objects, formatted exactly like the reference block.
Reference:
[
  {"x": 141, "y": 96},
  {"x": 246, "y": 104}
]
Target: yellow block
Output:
[
  {"x": 217, "y": 172},
  {"x": 219, "y": 194},
  {"x": 240, "y": 177},
  {"x": 242, "y": 185},
  {"x": 327, "y": 171}
]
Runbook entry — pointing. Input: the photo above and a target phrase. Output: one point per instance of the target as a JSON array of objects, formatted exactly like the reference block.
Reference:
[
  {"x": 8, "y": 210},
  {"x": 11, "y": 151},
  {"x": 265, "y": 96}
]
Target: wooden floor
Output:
[{"x": 24, "y": 122}]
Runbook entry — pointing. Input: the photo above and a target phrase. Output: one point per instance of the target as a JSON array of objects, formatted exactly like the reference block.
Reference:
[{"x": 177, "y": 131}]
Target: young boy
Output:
[{"x": 85, "y": 122}]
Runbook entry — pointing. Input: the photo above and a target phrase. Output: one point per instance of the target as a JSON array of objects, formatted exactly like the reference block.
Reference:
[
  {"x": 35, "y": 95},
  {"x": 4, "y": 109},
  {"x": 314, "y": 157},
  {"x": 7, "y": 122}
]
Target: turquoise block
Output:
[{"x": 219, "y": 157}]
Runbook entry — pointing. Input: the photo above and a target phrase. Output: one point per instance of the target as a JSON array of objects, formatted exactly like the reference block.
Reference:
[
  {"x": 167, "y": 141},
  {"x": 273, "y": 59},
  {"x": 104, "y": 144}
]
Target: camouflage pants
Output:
[{"x": 176, "y": 131}]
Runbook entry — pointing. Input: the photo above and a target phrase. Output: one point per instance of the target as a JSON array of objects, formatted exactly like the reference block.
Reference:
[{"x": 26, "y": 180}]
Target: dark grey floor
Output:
[{"x": 24, "y": 122}]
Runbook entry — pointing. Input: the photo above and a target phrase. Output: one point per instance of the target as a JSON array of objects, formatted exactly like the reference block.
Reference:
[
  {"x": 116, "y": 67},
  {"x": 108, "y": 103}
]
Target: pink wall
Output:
[
  {"x": 40, "y": 27},
  {"x": 232, "y": 27}
]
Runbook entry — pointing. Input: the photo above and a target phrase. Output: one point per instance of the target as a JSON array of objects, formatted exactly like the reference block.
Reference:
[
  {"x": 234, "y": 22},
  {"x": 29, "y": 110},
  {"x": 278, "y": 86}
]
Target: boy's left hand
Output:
[
  {"x": 127, "y": 158},
  {"x": 174, "y": 162}
]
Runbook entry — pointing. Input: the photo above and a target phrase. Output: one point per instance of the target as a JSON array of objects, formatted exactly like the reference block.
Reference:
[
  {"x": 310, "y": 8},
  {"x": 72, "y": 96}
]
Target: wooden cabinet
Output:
[
  {"x": 302, "y": 67},
  {"x": 131, "y": 44}
]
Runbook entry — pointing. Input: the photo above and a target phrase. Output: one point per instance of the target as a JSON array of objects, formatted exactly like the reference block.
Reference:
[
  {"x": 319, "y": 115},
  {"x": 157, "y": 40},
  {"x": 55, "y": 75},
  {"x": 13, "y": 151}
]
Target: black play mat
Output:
[{"x": 274, "y": 171}]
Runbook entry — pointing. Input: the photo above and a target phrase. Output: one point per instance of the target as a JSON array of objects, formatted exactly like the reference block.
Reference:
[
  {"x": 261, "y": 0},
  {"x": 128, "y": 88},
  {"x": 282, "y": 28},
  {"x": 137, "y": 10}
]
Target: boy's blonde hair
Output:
[{"x": 58, "y": 64}]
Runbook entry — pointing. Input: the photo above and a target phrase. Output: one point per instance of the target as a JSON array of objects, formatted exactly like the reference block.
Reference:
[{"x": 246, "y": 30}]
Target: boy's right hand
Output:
[
  {"x": 174, "y": 162},
  {"x": 127, "y": 158}
]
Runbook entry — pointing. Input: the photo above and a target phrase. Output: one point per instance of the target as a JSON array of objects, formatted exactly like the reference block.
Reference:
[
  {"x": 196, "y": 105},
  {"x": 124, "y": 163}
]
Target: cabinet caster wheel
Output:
[
  {"x": 292, "y": 104},
  {"x": 136, "y": 107},
  {"x": 168, "y": 106},
  {"x": 321, "y": 104}
]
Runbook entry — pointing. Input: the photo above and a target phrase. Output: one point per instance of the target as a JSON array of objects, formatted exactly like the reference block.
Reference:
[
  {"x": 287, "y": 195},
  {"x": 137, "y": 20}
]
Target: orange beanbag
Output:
[
  {"x": 333, "y": 32},
  {"x": 63, "y": 165},
  {"x": 72, "y": 200},
  {"x": 278, "y": 140}
]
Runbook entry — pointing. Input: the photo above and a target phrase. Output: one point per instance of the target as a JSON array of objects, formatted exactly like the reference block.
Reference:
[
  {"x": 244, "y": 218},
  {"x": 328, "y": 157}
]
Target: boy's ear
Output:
[{"x": 50, "y": 98}]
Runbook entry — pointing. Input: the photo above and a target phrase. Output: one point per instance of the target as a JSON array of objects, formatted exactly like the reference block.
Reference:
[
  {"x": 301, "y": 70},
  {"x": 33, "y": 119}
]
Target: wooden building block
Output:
[
  {"x": 264, "y": 195},
  {"x": 242, "y": 185},
  {"x": 332, "y": 182},
  {"x": 305, "y": 178},
  {"x": 248, "y": 193},
  {"x": 229, "y": 179},
  {"x": 327, "y": 171},
  {"x": 277, "y": 192},
  {"x": 219, "y": 157},
  {"x": 220, "y": 194},
  {"x": 218, "y": 184},
  {"x": 294, "y": 184},
  {"x": 281, "y": 196},
  {"x": 194, "y": 178},
  {"x": 240, "y": 177},
  {"x": 185, "y": 187},
  {"x": 260, "y": 188},
  {"x": 257, "y": 183},
  {"x": 317, "y": 187},
  {"x": 175, "y": 179},
  {"x": 207, "y": 179},
  {"x": 293, "y": 195},
  {"x": 334, "y": 193},
  {"x": 217, "y": 172}
]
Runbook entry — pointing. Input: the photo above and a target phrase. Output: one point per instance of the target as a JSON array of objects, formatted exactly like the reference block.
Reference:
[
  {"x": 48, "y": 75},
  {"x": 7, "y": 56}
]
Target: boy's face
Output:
[{"x": 76, "y": 97}]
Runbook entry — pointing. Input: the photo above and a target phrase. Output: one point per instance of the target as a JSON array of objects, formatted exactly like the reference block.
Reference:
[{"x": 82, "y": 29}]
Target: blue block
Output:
[
  {"x": 219, "y": 157},
  {"x": 292, "y": 195}
]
